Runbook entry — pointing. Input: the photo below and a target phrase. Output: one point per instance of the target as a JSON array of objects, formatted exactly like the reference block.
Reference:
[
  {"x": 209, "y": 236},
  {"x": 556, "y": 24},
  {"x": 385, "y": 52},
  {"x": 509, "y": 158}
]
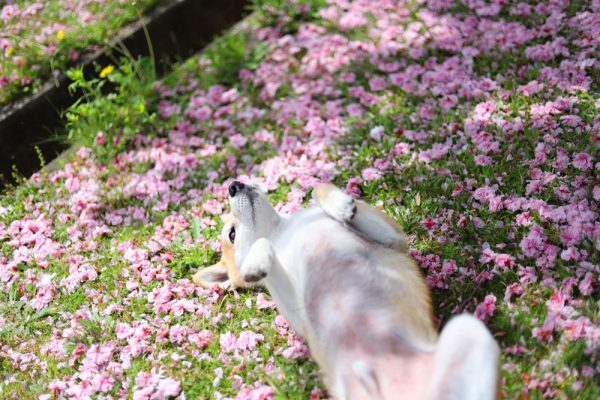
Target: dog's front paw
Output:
[{"x": 258, "y": 262}]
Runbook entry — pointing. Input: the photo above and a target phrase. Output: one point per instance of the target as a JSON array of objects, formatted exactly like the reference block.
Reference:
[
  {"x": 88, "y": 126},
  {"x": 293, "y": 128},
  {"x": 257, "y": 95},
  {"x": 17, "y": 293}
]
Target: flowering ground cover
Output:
[
  {"x": 474, "y": 124},
  {"x": 39, "y": 38}
]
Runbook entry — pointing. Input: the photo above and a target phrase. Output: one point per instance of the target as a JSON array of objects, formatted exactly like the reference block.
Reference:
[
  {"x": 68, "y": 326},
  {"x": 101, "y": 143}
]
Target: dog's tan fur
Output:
[{"x": 225, "y": 273}]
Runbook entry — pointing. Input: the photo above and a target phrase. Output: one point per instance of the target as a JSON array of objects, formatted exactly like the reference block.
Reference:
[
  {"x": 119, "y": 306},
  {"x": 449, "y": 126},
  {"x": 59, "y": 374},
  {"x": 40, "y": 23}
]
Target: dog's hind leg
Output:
[
  {"x": 262, "y": 265},
  {"x": 337, "y": 204},
  {"x": 375, "y": 225},
  {"x": 466, "y": 362},
  {"x": 371, "y": 223}
]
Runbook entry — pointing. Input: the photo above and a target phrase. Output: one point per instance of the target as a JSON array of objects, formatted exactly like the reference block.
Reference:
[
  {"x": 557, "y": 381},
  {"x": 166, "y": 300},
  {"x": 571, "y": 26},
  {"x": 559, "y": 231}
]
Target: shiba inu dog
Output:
[
  {"x": 341, "y": 276},
  {"x": 366, "y": 220}
]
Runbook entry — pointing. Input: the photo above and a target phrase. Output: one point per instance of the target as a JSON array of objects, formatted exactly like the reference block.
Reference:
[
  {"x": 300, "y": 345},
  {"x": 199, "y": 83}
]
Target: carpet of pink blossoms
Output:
[{"x": 475, "y": 125}]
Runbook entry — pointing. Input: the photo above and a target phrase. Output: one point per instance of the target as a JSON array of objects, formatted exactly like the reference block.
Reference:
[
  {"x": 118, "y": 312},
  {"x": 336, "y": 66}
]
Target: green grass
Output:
[{"x": 51, "y": 36}]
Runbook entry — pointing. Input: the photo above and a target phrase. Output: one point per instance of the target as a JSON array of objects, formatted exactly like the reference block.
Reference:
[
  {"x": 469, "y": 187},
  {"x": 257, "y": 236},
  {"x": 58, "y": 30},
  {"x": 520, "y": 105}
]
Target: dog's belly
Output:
[
  {"x": 361, "y": 302},
  {"x": 361, "y": 307},
  {"x": 345, "y": 282}
]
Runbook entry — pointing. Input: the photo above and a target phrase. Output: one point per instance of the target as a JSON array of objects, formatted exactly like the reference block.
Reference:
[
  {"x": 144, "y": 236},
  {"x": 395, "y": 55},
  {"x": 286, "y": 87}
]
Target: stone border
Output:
[{"x": 177, "y": 29}]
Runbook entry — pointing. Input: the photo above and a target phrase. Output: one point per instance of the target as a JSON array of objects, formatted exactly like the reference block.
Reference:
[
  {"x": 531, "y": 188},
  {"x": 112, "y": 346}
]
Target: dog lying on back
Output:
[
  {"x": 341, "y": 275},
  {"x": 225, "y": 273}
]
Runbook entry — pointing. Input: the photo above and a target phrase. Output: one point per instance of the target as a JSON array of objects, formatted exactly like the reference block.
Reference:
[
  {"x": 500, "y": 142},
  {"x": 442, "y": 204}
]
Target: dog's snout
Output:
[{"x": 235, "y": 187}]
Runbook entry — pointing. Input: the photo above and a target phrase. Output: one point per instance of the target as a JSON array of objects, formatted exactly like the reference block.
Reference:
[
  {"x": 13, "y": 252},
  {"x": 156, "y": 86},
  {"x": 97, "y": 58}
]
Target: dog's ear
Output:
[{"x": 215, "y": 275}]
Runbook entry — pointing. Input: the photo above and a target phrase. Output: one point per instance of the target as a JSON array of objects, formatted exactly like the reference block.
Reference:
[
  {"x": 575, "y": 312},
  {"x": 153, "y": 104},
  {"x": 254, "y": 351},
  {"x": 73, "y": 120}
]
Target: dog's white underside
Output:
[{"x": 347, "y": 295}]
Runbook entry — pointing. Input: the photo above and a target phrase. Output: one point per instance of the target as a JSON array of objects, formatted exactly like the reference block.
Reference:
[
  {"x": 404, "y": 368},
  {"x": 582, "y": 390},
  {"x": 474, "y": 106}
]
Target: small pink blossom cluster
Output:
[{"x": 154, "y": 386}]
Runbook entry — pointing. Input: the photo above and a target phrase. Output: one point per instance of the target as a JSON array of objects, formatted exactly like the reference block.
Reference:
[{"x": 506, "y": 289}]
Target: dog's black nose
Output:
[{"x": 235, "y": 187}]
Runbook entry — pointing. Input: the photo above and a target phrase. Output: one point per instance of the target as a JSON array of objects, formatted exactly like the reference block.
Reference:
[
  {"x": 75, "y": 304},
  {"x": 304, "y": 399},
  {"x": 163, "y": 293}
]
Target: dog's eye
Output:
[{"x": 232, "y": 234}]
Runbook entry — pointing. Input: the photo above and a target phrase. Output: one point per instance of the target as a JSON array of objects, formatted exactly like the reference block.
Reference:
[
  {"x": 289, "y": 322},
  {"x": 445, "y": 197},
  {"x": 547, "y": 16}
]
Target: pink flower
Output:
[
  {"x": 449, "y": 267},
  {"x": 353, "y": 186},
  {"x": 201, "y": 338},
  {"x": 457, "y": 189},
  {"x": 429, "y": 224},
  {"x": 586, "y": 286},
  {"x": 80, "y": 391},
  {"x": 570, "y": 120},
  {"x": 296, "y": 348},
  {"x": 533, "y": 243},
  {"x": 571, "y": 236},
  {"x": 167, "y": 109},
  {"x": 524, "y": 219},
  {"x": 483, "y": 160},
  {"x": 570, "y": 254},
  {"x": 354, "y": 110},
  {"x": 99, "y": 354},
  {"x": 103, "y": 382},
  {"x": 544, "y": 332},
  {"x": 248, "y": 340},
  {"x": 135, "y": 255},
  {"x": 256, "y": 393},
  {"x": 595, "y": 196},
  {"x": 100, "y": 139},
  {"x": 238, "y": 140},
  {"x": 486, "y": 308},
  {"x": 377, "y": 83},
  {"x": 228, "y": 342},
  {"x": 531, "y": 88},
  {"x": 213, "y": 206},
  {"x": 504, "y": 261},
  {"x": 167, "y": 387},
  {"x": 177, "y": 333},
  {"x": 484, "y": 194},
  {"x": 153, "y": 386},
  {"x": 262, "y": 302},
  {"x": 371, "y": 174},
  {"x": 377, "y": 133},
  {"x": 401, "y": 148},
  {"x": 124, "y": 330},
  {"x": 582, "y": 161},
  {"x": 514, "y": 289}
]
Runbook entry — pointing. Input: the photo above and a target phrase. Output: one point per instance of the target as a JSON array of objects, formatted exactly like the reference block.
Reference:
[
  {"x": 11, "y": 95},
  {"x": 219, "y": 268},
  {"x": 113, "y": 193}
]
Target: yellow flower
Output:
[
  {"x": 106, "y": 70},
  {"x": 10, "y": 50},
  {"x": 60, "y": 35}
]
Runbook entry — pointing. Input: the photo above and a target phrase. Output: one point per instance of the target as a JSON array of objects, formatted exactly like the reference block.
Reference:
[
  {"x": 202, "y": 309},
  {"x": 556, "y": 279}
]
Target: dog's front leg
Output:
[
  {"x": 258, "y": 262},
  {"x": 262, "y": 264}
]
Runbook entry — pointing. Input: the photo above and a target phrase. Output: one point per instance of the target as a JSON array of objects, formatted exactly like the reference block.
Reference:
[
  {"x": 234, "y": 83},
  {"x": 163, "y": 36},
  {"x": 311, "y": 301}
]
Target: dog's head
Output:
[
  {"x": 225, "y": 273},
  {"x": 255, "y": 217},
  {"x": 252, "y": 217}
]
